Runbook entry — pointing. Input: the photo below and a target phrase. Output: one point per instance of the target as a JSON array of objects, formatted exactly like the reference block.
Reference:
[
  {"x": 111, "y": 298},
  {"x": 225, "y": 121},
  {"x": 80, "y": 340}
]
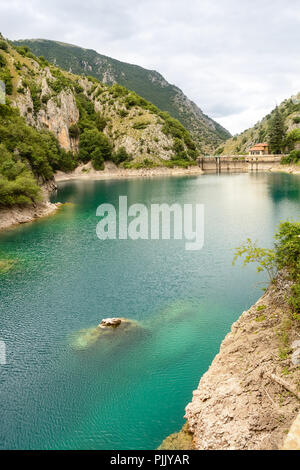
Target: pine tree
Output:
[{"x": 276, "y": 132}]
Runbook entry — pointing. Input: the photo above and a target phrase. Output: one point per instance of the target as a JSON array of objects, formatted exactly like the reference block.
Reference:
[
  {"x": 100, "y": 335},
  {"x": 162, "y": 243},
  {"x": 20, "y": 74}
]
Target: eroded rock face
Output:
[
  {"x": 57, "y": 115},
  {"x": 237, "y": 405}
]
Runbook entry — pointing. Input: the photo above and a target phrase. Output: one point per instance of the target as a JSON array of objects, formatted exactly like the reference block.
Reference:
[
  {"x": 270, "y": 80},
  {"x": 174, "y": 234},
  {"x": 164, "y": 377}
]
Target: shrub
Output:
[
  {"x": 3, "y": 45},
  {"x": 141, "y": 125},
  {"x": 121, "y": 156},
  {"x": 286, "y": 255},
  {"x": 7, "y": 79},
  {"x": 3, "y": 62},
  {"x": 94, "y": 145},
  {"x": 292, "y": 138},
  {"x": 100, "y": 122},
  {"x": 123, "y": 113},
  {"x": 293, "y": 157},
  {"x": 74, "y": 131}
]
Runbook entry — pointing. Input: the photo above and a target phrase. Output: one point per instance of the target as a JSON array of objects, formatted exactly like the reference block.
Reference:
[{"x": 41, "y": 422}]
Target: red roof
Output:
[{"x": 259, "y": 147}]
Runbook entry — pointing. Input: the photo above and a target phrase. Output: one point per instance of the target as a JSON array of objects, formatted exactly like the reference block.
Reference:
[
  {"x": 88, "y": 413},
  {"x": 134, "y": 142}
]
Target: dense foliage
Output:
[
  {"x": 148, "y": 84},
  {"x": 293, "y": 157},
  {"x": 26, "y": 157},
  {"x": 29, "y": 157},
  {"x": 276, "y": 135},
  {"x": 94, "y": 146}
]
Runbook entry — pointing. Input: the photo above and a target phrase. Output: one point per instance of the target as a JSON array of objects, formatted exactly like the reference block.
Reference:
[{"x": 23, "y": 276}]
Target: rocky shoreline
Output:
[
  {"x": 247, "y": 398},
  {"x": 10, "y": 217},
  {"x": 111, "y": 171},
  {"x": 292, "y": 169},
  {"x": 14, "y": 216}
]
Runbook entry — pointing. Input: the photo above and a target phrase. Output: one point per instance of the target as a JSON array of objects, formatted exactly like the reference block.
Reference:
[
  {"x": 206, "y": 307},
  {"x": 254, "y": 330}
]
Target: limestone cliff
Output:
[
  {"x": 248, "y": 397},
  {"x": 47, "y": 98},
  {"x": 149, "y": 84}
]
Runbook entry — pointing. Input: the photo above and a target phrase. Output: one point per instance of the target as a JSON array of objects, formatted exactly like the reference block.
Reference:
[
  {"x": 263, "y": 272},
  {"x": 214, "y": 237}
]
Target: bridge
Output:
[{"x": 238, "y": 163}]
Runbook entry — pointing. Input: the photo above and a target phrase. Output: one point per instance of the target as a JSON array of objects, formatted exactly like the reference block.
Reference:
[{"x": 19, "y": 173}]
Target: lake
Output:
[{"x": 129, "y": 394}]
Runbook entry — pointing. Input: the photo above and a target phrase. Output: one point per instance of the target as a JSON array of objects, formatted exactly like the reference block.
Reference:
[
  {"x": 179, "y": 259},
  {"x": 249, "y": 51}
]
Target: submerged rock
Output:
[{"x": 110, "y": 330}]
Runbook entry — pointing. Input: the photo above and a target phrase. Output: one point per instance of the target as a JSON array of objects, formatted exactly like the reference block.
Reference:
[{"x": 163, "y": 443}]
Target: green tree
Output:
[
  {"x": 95, "y": 146},
  {"x": 276, "y": 134},
  {"x": 286, "y": 255},
  {"x": 121, "y": 156},
  {"x": 264, "y": 257}
]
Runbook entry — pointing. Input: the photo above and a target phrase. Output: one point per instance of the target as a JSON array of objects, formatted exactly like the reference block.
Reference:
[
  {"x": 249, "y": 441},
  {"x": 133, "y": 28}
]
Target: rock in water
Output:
[
  {"x": 110, "y": 322},
  {"x": 109, "y": 331}
]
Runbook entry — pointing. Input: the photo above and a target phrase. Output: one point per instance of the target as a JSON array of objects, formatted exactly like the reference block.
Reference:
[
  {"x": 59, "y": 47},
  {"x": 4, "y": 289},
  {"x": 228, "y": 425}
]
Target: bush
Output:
[
  {"x": 286, "y": 255},
  {"x": 7, "y": 79},
  {"x": 39, "y": 149},
  {"x": 121, "y": 156},
  {"x": 123, "y": 113},
  {"x": 74, "y": 131},
  {"x": 100, "y": 122},
  {"x": 292, "y": 138},
  {"x": 3, "y": 45},
  {"x": 293, "y": 157},
  {"x": 95, "y": 146},
  {"x": 3, "y": 62},
  {"x": 287, "y": 247},
  {"x": 141, "y": 125},
  {"x": 17, "y": 183}
]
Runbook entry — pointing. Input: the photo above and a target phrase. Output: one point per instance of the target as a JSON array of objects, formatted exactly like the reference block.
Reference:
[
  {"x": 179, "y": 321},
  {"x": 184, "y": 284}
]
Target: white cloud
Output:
[{"x": 234, "y": 59}]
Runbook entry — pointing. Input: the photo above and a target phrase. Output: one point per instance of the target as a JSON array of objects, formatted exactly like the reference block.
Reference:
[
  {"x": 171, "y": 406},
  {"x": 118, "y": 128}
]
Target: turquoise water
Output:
[{"x": 130, "y": 394}]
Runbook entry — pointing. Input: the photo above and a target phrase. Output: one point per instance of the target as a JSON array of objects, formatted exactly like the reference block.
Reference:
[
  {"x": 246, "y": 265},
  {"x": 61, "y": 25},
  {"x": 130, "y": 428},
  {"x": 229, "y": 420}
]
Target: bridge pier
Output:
[{"x": 238, "y": 163}]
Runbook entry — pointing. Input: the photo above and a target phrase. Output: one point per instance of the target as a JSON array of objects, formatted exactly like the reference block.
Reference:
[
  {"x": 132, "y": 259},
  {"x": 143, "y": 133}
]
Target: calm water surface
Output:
[{"x": 130, "y": 395}]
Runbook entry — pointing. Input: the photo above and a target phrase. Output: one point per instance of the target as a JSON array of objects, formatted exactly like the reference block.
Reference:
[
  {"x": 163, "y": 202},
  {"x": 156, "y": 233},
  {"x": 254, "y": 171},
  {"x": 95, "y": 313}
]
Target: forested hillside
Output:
[
  {"x": 280, "y": 129},
  {"x": 53, "y": 120},
  {"x": 149, "y": 84}
]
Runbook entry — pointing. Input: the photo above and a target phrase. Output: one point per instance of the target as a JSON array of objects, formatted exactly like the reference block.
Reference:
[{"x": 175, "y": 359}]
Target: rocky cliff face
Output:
[
  {"x": 249, "y": 396},
  {"x": 47, "y": 98},
  {"x": 58, "y": 114},
  {"x": 147, "y": 83}
]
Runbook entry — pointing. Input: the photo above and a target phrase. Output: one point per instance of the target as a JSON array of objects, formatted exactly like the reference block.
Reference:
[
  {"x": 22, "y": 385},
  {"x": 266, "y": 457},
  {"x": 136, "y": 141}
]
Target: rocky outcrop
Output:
[
  {"x": 249, "y": 397},
  {"x": 147, "y": 83},
  {"x": 51, "y": 99},
  {"x": 57, "y": 114},
  {"x": 237, "y": 404},
  {"x": 110, "y": 323},
  {"x": 20, "y": 215}
]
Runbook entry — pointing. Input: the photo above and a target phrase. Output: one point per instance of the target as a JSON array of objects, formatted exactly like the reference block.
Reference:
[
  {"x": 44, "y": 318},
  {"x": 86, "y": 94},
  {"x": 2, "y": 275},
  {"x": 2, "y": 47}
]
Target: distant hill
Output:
[
  {"x": 149, "y": 84},
  {"x": 241, "y": 143},
  {"x": 52, "y": 120}
]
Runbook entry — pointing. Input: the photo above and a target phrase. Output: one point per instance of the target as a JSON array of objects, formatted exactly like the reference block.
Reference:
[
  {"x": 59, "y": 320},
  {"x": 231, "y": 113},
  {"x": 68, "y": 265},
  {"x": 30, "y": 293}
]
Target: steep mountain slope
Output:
[
  {"x": 55, "y": 120},
  {"x": 241, "y": 143},
  {"x": 147, "y": 83}
]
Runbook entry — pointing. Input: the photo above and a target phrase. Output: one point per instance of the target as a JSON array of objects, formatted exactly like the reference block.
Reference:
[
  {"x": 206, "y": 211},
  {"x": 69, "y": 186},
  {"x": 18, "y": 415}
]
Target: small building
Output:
[{"x": 259, "y": 149}]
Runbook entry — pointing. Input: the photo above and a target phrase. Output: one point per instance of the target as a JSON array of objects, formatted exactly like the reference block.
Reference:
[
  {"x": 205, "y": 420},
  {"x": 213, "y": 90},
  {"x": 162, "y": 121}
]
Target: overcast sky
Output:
[{"x": 235, "y": 58}]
